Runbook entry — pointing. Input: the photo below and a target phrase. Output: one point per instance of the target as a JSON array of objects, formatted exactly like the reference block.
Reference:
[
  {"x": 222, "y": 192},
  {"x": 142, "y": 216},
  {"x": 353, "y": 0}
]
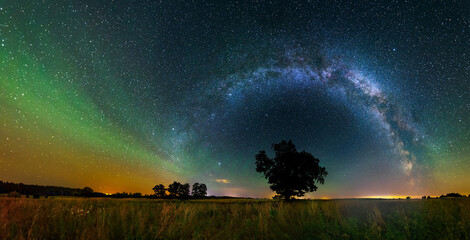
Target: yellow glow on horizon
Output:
[{"x": 391, "y": 197}]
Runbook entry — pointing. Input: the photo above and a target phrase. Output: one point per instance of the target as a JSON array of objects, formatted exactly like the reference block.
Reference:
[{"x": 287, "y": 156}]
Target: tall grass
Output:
[{"x": 76, "y": 218}]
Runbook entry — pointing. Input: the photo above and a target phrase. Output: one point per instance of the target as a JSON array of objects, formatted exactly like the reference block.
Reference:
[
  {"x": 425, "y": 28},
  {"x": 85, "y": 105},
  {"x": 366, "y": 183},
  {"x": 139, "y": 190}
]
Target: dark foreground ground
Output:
[{"x": 78, "y": 218}]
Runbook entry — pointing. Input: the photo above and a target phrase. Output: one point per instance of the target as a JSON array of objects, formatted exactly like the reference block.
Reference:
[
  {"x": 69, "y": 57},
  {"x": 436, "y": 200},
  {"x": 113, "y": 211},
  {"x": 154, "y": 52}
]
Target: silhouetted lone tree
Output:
[
  {"x": 159, "y": 190},
  {"x": 173, "y": 189},
  {"x": 199, "y": 190},
  {"x": 290, "y": 173}
]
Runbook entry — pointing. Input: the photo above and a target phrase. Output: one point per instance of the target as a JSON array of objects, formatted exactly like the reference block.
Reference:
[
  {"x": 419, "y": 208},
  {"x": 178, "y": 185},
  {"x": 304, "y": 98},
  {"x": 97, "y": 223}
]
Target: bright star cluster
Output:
[{"x": 120, "y": 95}]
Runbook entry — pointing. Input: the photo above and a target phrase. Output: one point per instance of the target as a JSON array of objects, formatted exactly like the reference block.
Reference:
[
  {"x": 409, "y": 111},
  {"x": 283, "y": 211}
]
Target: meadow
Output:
[{"x": 81, "y": 218}]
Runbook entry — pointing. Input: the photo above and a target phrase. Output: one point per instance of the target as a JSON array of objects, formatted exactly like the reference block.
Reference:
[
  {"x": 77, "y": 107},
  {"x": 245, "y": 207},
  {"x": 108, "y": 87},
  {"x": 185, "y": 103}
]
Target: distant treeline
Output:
[
  {"x": 37, "y": 190},
  {"x": 452, "y": 195},
  {"x": 448, "y": 195},
  {"x": 175, "y": 190},
  {"x": 180, "y": 191}
]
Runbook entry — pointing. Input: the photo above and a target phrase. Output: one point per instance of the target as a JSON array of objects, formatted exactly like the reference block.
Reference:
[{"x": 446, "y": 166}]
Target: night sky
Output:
[{"x": 123, "y": 95}]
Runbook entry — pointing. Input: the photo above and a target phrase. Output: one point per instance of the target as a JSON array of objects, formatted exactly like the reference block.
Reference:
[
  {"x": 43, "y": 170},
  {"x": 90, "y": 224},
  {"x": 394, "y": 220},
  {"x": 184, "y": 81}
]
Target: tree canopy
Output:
[
  {"x": 199, "y": 190},
  {"x": 290, "y": 173},
  {"x": 159, "y": 190},
  {"x": 87, "y": 192},
  {"x": 183, "y": 190},
  {"x": 175, "y": 190}
]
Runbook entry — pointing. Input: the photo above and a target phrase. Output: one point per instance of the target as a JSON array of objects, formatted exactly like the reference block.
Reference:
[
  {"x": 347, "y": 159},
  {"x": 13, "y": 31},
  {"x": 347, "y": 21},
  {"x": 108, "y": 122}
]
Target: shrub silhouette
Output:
[{"x": 290, "y": 173}]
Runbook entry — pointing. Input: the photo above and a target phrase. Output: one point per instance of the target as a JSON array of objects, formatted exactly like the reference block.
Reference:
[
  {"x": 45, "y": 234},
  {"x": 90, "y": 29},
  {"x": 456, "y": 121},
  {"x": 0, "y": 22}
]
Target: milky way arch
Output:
[{"x": 339, "y": 79}]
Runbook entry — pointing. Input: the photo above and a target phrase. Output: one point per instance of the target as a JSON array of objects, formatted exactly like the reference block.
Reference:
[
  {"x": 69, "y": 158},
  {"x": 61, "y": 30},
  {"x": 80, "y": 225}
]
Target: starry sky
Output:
[{"x": 123, "y": 95}]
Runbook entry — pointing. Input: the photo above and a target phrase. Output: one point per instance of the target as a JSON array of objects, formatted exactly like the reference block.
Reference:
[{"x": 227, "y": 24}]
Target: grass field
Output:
[{"x": 78, "y": 218}]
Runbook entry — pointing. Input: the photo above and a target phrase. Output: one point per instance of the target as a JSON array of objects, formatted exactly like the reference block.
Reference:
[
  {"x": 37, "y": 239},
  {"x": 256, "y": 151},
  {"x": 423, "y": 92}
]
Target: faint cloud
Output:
[{"x": 222, "y": 181}]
